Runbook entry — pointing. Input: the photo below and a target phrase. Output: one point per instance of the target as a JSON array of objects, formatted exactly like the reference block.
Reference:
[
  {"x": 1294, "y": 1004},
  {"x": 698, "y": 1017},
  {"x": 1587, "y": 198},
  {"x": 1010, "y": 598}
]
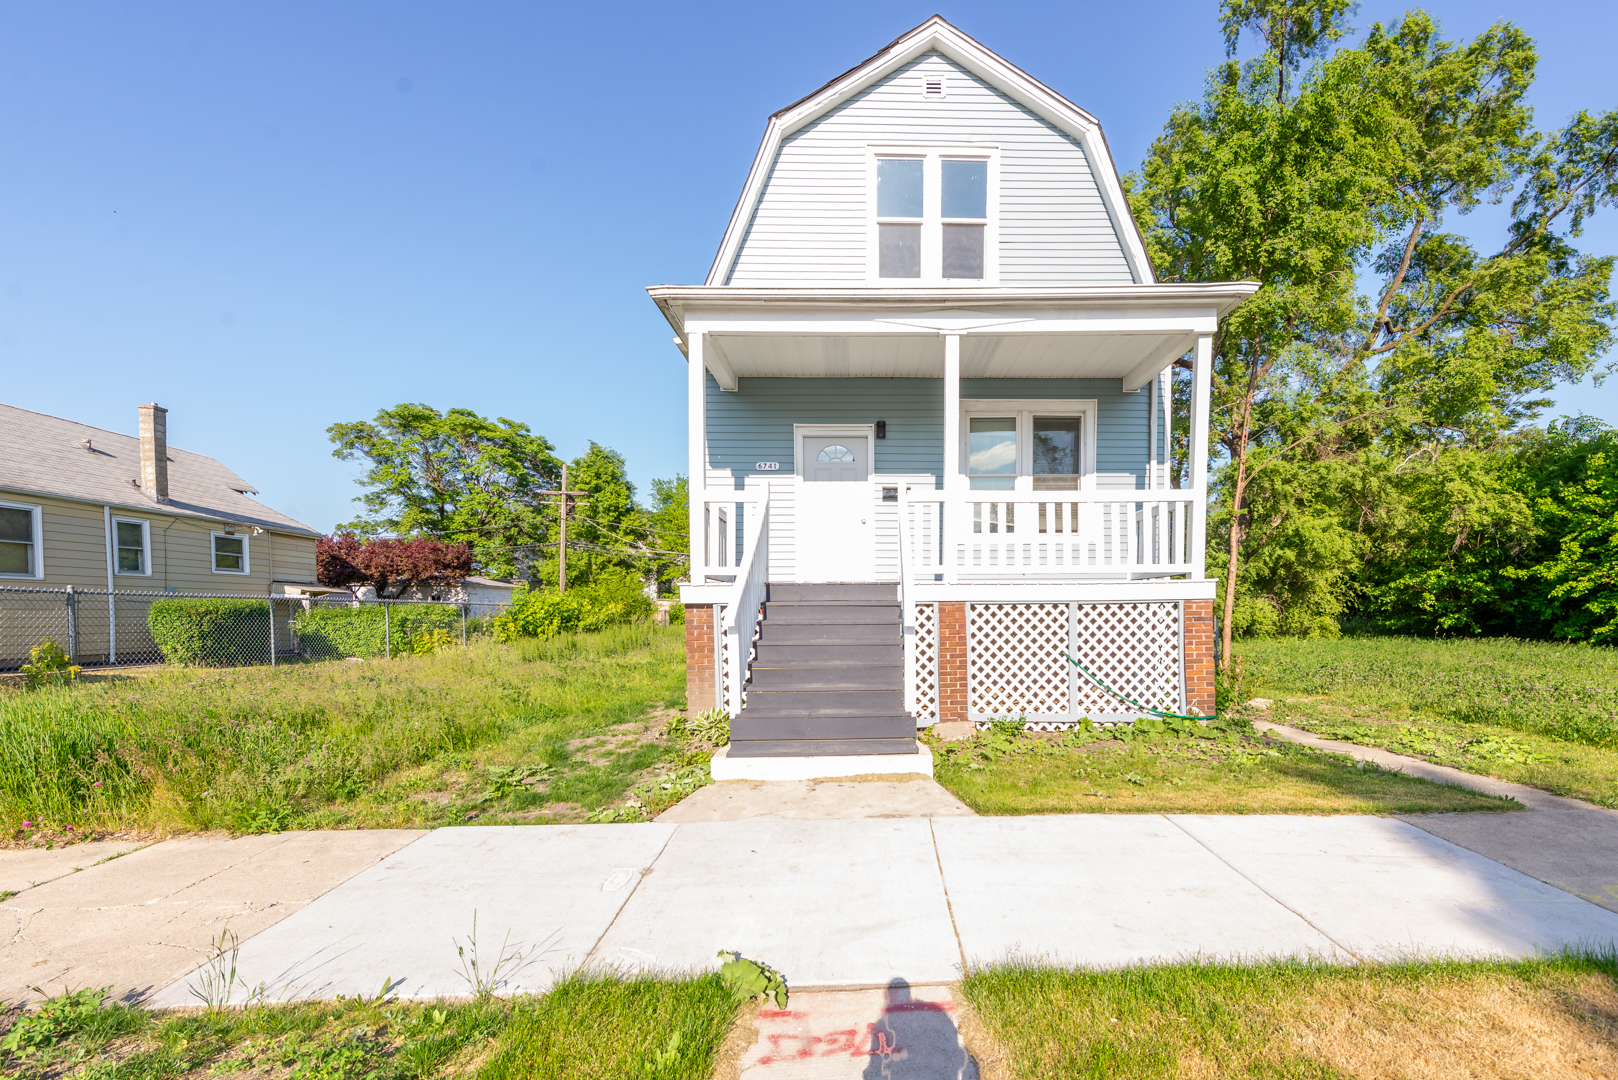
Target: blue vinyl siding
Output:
[{"x": 755, "y": 423}]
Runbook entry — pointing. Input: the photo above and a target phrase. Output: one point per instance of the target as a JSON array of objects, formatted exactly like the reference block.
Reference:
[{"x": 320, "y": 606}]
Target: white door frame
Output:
[{"x": 860, "y": 491}]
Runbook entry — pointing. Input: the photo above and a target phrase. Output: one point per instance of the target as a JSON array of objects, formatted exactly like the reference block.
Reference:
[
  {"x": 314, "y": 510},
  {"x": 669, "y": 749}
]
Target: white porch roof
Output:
[{"x": 1127, "y": 332}]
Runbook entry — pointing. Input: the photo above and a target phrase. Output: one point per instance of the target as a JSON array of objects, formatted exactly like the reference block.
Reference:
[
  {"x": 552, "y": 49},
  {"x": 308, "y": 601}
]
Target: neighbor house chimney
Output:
[{"x": 154, "y": 451}]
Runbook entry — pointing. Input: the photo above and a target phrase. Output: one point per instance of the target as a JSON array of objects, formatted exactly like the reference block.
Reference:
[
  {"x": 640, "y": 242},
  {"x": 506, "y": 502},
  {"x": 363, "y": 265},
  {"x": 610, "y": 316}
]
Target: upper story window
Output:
[
  {"x": 19, "y": 541},
  {"x": 933, "y": 219}
]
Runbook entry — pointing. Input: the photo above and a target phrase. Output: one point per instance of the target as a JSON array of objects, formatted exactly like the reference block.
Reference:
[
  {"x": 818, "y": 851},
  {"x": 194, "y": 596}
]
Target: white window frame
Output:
[
  {"x": 39, "y": 541},
  {"x": 145, "y": 546},
  {"x": 932, "y": 224},
  {"x": 801, "y": 432},
  {"x": 247, "y": 561},
  {"x": 1024, "y": 410}
]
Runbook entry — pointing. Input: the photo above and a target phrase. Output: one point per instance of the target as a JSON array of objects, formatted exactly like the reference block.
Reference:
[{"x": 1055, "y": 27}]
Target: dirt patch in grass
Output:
[
  {"x": 1418, "y": 1021},
  {"x": 1236, "y": 771}
]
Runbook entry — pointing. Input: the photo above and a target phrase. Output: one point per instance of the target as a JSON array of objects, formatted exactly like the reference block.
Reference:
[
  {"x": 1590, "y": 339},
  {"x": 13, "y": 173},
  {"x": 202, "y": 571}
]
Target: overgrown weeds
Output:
[
  {"x": 369, "y": 743},
  {"x": 585, "y": 1027}
]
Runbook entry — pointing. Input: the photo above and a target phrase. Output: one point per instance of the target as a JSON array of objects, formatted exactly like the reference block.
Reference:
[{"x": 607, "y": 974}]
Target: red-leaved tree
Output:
[{"x": 346, "y": 560}]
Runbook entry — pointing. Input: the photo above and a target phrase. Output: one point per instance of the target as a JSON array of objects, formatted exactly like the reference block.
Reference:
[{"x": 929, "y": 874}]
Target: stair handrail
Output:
[{"x": 746, "y": 595}]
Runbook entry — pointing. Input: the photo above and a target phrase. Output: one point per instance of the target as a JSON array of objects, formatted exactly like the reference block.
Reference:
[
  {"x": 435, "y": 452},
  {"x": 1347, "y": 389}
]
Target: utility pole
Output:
[{"x": 564, "y": 507}]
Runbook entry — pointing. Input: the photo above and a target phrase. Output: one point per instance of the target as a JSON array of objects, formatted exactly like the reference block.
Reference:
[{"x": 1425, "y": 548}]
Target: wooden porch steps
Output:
[{"x": 828, "y": 679}]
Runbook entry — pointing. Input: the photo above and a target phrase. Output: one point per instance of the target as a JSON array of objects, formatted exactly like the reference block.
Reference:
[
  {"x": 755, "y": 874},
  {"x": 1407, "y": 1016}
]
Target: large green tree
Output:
[
  {"x": 1377, "y": 334},
  {"x": 455, "y": 476}
]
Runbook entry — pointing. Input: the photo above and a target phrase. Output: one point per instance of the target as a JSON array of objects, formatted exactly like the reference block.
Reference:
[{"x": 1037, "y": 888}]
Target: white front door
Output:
[{"x": 836, "y": 529}]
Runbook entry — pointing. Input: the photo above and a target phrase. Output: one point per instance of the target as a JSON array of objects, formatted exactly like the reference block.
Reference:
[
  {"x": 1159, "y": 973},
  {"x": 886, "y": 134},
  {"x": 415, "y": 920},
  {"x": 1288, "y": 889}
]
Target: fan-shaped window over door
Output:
[{"x": 835, "y": 458}]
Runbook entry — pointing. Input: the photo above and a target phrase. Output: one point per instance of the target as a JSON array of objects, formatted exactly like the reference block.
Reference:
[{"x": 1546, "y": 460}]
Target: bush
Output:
[
  {"x": 217, "y": 632},
  {"x": 48, "y": 664},
  {"x": 363, "y": 631},
  {"x": 610, "y": 602},
  {"x": 676, "y": 614}
]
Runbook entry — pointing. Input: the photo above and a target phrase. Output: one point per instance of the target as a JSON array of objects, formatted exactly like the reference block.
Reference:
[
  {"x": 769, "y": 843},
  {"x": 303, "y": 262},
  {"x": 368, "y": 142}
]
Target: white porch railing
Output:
[
  {"x": 741, "y": 607},
  {"x": 979, "y": 535}
]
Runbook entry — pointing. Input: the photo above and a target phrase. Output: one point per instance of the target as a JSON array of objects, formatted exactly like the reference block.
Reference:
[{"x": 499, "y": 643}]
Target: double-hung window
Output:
[
  {"x": 19, "y": 541},
  {"x": 1029, "y": 445},
  {"x": 932, "y": 220},
  {"x": 131, "y": 540},
  {"x": 229, "y": 553}
]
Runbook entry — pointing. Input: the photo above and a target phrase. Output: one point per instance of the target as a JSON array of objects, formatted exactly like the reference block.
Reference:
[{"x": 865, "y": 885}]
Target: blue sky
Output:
[{"x": 273, "y": 217}]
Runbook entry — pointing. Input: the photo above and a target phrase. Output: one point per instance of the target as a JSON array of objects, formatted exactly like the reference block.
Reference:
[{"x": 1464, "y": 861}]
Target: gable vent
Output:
[{"x": 932, "y": 86}]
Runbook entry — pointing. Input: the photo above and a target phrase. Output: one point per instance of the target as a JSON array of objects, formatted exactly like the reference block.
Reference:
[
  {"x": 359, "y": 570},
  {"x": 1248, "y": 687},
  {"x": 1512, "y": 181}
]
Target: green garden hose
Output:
[{"x": 1138, "y": 705}]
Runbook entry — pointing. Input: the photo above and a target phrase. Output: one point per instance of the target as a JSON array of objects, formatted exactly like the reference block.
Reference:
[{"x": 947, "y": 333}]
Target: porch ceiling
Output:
[{"x": 1132, "y": 357}]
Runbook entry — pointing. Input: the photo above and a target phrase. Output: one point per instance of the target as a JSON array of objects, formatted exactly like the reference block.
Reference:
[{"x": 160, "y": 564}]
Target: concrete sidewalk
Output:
[
  {"x": 1567, "y": 843},
  {"x": 844, "y": 904},
  {"x": 144, "y": 920}
]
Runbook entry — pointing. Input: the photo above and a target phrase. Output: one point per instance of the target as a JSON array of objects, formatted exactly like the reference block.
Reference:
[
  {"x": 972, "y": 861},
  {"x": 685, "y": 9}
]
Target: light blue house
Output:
[{"x": 929, "y": 408}]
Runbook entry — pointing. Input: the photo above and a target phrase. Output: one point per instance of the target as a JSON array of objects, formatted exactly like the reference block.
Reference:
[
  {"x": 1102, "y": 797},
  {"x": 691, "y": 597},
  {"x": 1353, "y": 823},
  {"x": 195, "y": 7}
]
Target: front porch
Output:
[{"x": 1001, "y": 460}]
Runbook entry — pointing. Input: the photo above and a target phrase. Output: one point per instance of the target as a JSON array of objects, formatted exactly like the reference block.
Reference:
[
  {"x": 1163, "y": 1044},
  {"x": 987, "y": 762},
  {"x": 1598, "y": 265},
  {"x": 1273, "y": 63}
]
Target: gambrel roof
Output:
[{"x": 936, "y": 36}]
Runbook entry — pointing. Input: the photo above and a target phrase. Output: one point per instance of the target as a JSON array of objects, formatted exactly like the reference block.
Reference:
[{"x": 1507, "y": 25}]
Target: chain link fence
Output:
[{"x": 108, "y": 628}]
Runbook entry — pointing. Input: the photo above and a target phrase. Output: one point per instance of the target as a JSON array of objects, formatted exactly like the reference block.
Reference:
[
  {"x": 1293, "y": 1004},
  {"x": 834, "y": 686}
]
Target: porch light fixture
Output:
[{"x": 882, "y": 429}]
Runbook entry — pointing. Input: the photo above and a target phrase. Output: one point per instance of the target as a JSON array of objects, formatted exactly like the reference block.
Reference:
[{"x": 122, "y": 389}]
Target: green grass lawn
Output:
[
  {"x": 1531, "y": 712},
  {"x": 1235, "y": 772},
  {"x": 1532, "y": 1018},
  {"x": 598, "y": 1028},
  {"x": 530, "y": 732}
]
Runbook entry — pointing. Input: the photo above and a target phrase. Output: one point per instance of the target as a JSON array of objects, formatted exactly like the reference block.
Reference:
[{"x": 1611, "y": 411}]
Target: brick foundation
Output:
[
  {"x": 951, "y": 661},
  {"x": 1199, "y": 656},
  {"x": 700, "y": 692}
]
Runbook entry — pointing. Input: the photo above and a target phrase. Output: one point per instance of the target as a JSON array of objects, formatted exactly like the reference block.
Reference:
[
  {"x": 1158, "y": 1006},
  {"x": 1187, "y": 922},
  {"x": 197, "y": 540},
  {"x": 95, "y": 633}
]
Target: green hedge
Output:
[
  {"x": 215, "y": 632},
  {"x": 348, "y": 631}
]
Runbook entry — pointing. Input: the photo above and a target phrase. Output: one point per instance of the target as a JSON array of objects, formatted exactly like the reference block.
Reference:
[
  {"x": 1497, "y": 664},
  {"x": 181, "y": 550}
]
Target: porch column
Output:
[
  {"x": 952, "y": 412},
  {"x": 1201, "y": 391},
  {"x": 697, "y": 456}
]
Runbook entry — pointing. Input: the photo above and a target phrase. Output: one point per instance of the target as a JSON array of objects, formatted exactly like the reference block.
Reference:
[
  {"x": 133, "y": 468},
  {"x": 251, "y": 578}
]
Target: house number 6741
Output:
[{"x": 767, "y": 466}]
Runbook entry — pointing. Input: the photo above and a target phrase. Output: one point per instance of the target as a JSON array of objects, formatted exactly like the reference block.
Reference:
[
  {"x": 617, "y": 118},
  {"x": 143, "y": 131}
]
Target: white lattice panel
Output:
[
  {"x": 925, "y": 644},
  {"x": 1015, "y": 662},
  {"x": 722, "y": 648},
  {"x": 1133, "y": 648}
]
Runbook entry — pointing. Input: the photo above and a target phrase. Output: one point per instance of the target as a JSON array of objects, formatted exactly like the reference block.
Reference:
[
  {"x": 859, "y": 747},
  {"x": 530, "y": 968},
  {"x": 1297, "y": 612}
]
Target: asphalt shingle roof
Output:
[{"x": 45, "y": 455}]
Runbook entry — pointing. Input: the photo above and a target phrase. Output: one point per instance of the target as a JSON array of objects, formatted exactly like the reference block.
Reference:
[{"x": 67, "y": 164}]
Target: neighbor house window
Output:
[
  {"x": 932, "y": 217},
  {"x": 229, "y": 553},
  {"x": 899, "y": 205},
  {"x": 19, "y": 541},
  {"x": 133, "y": 556}
]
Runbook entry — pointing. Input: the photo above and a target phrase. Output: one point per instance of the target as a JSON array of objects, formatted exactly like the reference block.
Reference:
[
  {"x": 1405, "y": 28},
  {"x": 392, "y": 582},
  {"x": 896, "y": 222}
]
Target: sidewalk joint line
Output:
[
  {"x": 636, "y": 885},
  {"x": 949, "y": 905},
  {"x": 1283, "y": 904}
]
